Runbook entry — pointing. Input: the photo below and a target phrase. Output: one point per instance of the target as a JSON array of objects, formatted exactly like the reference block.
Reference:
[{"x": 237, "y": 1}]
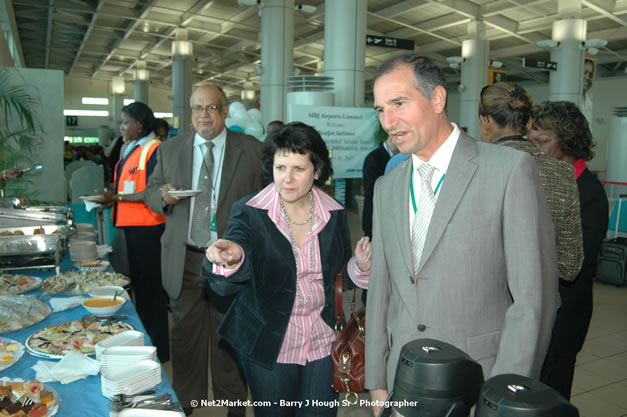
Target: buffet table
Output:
[{"x": 83, "y": 397}]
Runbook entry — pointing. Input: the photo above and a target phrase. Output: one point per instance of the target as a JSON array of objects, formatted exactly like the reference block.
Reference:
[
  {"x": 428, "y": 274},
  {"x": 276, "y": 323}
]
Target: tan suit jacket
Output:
[
  {"x": 241, "y": 175},
  {"x": 487, "y": 282}
]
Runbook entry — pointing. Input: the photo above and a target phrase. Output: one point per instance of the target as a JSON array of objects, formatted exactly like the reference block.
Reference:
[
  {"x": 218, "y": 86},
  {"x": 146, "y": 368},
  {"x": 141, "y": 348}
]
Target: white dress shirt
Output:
[{"x": 439, "y": 161}]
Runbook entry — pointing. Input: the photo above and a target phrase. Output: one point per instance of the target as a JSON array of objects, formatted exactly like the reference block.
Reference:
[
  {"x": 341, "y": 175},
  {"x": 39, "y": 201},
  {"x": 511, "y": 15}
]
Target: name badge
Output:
[{"x": 213, "y": 226}]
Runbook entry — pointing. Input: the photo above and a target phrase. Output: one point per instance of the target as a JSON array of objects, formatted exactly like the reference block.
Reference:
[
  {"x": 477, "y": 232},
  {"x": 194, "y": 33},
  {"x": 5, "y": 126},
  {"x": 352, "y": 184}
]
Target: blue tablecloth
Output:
[{"x": 82, "y": 398}]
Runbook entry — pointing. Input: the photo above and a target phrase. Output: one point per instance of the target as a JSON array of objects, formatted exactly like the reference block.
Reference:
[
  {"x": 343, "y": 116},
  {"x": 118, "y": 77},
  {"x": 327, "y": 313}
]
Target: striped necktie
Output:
[
  {"x": 201, "y": 217},
  {"x": 422, "y": 217}
]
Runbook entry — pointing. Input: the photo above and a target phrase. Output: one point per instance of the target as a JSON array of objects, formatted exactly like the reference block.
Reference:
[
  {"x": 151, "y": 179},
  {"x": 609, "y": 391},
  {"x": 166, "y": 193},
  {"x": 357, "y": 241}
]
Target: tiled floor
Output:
[{"x": 600, "y": 385}]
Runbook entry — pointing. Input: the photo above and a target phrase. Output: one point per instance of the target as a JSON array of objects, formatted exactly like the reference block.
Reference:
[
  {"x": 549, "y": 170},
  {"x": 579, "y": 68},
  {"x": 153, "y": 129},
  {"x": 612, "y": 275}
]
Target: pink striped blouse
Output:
[{"x": 308, "y": 337}]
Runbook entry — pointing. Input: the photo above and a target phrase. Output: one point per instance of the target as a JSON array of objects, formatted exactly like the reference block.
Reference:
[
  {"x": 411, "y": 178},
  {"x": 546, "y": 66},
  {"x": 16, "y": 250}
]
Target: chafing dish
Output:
[
  {"x": 33, "y": 251},
  {"x": 10, "y": 202}
]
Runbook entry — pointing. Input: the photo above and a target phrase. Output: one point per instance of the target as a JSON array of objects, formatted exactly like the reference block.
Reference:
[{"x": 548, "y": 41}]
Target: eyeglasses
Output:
[{"x": 211, "y": 109}]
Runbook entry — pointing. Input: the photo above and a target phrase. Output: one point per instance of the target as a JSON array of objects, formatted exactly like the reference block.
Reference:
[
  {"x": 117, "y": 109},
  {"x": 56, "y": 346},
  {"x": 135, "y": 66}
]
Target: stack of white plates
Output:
[
  {"x": 127, "y": 338},
  {"x": 122, "y": 356},
  {"x": 83, "y": 250},
  {"x": 131, "y": 380}
]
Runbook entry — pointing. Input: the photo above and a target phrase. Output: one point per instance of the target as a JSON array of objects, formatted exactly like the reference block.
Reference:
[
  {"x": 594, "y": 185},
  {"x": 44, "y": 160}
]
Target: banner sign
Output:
[{"x": 349, "y": 133}]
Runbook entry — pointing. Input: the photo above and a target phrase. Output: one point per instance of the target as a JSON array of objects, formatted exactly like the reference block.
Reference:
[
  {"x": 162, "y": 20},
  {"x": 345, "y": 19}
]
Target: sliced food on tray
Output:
[
  {"x": 56, "y": 340},
  {"x": 27, "y": 398},
  {"x": 18, "y": 284},
  {"x": 86, "y": 281},
  {"x": 21, "y": 311},
  {"x": 10, "y": 352}
]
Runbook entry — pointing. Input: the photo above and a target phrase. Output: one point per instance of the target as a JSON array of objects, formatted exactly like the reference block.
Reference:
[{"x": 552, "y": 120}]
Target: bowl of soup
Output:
[{"x": 103, "y": 306}]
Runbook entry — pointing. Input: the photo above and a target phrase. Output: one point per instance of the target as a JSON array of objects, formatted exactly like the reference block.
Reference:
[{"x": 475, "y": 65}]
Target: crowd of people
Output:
[{"x": 479, "y": 244}]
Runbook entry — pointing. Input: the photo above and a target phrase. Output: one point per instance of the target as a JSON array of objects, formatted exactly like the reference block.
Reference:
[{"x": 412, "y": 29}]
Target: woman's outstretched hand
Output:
[
  {"x": 362, "y": 254},
  {"x": 225, "y": 253}
]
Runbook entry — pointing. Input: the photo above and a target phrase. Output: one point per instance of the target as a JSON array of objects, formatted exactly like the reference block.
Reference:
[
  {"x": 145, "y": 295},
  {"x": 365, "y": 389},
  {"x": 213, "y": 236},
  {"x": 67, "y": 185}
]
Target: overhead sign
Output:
[
  {"x": 71, "y": 120},
  {"x": 539, "y": 63},
  {"x": 389, "y": 42}
]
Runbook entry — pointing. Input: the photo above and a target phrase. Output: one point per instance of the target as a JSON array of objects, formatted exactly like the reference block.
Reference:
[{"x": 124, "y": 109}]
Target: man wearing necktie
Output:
[
  {"x": 224, "y": 166},
  {"x": 463, "y": 246}
]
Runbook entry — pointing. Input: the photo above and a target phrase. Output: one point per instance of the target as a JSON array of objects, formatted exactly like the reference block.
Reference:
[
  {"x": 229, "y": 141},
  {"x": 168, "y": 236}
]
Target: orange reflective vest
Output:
[{"x": 134, "y": 169}]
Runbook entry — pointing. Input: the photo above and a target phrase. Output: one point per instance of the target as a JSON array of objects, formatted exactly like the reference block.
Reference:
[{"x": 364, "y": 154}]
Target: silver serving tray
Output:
[
  {"x": 45, "y": 355},
  {"x": 32, "y": 215},
  {"x": 13, "y": 308},
  {"x": 30, "y": 245}
]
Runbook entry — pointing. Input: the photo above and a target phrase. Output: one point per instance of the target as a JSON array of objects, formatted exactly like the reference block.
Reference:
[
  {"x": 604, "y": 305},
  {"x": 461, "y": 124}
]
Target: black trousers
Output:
[
  {"x": 569, "y": 334},
  {"x": 151, "y": 301}
]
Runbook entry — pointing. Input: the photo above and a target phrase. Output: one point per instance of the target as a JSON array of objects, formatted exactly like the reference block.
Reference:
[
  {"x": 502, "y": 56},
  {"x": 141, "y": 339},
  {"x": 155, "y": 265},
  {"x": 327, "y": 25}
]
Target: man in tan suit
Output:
[
  {"x": 479, "y": 269},
  {"x": 235, "y": 171}
]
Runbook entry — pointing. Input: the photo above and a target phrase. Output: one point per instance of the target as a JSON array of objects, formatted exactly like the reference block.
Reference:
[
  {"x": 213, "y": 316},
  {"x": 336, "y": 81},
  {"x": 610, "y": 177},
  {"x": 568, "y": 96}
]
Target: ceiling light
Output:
[
  {"x": 102, "y": 113},
  {"x": 306, "y": 8},
  {"x": 592, "y": 51},
  {"x": 117, "y": 85},
  {"x": 495, "y": 64},
  {"x": 455, "y": 60},
  {"x": 595, "y": 43},
  {"x": 95, "y": 100},
  {"x": 547, "y": 43}
]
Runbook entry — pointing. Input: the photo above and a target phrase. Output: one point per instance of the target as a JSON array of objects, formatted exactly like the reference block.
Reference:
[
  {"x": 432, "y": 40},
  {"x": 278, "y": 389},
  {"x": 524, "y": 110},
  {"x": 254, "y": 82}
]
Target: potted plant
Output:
[{"x": 19, "y": 133}]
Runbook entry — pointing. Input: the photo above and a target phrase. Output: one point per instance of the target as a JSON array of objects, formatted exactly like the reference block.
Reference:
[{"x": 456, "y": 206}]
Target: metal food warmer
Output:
[{"x": 34, "y": 237}]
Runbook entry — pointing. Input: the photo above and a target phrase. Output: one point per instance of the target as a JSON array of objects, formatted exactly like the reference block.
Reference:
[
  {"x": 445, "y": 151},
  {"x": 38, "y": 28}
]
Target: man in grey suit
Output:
[
  {"x": 464, "y": 254},
  {"x": 233, "y": 172}
]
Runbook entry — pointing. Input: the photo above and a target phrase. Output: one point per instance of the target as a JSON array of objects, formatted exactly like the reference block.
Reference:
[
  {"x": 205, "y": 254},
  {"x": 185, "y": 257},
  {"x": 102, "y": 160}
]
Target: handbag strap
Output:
[{"x": 339, "y": 283}]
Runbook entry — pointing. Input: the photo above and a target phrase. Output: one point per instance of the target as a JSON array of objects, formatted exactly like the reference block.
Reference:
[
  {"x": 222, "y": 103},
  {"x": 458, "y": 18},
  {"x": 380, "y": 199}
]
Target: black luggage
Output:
[{"x": 612, "y": 261}]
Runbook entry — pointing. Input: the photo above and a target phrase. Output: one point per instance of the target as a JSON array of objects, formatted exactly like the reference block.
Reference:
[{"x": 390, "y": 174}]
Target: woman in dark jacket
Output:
[
  {"x": 282, "y": 250},
  {"x": 560, "y": 130}
]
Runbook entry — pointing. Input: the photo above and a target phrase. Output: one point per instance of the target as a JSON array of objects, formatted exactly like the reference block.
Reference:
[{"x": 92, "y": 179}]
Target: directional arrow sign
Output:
[
  {"x": 538, "y": 63},
  {"x": 386, "y": 42}
]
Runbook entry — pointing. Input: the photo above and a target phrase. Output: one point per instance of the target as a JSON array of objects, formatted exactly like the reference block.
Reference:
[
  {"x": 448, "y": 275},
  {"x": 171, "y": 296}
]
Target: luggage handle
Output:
[{"x": 620, "y": 202}]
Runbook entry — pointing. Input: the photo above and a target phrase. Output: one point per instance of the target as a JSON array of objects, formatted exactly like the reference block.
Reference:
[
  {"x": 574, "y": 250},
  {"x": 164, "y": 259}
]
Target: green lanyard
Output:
[{"x": 411, "y": 188}]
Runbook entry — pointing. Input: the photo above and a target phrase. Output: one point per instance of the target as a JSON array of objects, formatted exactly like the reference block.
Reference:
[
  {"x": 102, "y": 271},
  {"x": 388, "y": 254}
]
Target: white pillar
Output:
[
  {"x": 474, "y": 76},
  {"x": 117, "y": 102},
  {"x": 345, "y": 49},
  {"x": 182, "y": 52},
  {"x": 141, "y": 91},
  {"x": 277, "y": 57},
  {"x": 567, "y": 82}
]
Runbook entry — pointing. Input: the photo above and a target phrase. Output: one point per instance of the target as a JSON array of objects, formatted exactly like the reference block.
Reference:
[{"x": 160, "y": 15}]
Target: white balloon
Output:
[
  {"x": 236, "y": 107},
  {"x": 229, "y": 122},
  {"x": 241, "y": 118},
  {"x": 255, "y": 115},
  {"x": 254, "y": 129}
]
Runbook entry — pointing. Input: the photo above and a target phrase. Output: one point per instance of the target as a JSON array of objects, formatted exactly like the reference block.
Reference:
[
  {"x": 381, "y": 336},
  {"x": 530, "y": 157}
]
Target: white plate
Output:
[
  {"x": 90, "y": 197},
  {"x": 185, "y": 193},
  {"x": 16, "y": 355},
  {"x": 140, "y": 412},
  {"x": 57, "y": 398}
]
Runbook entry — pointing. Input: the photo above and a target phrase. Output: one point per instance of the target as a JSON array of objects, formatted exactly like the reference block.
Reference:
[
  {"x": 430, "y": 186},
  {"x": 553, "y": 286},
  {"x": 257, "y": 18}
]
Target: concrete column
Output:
[
  {"x": 567, "y": 82},
  {"x": 474, "y": 76},
  {"x": 117, "y": 102},
  {"x": 141, "y": 91},
  {"x": 345, "y": 49},
  {"x": 182, "y": 52},
  {"x": 277, "y": 57}
]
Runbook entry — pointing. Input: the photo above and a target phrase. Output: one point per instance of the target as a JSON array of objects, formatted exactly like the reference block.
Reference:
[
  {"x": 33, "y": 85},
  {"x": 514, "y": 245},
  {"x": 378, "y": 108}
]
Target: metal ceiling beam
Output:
[
  {"x": 94, "y": 17},
  {"x": 604, "y": 8}
]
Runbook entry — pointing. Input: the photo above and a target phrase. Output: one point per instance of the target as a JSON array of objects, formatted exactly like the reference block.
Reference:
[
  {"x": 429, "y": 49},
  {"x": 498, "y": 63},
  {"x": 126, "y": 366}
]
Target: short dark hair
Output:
[
  {"x": 143, "y": 114},
  {"x": 569, "y": 124},
  {"x": 297, "y": 137},
  {"x": 427, "y": 75},
  {"x": 507, "y": 103},
  {"x": 159, "y": 123},
  {"x": 277, "y": 122}
]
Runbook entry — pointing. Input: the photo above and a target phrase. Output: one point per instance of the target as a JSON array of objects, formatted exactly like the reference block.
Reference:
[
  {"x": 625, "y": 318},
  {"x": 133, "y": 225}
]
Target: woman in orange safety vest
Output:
[{"x": 142, "y": 227}]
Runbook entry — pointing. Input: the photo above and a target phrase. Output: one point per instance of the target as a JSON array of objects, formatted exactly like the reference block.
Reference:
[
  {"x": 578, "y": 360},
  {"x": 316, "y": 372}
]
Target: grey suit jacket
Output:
[
  {"x": 241, "y": 175},
  {"x": 487, "y": 282}
]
